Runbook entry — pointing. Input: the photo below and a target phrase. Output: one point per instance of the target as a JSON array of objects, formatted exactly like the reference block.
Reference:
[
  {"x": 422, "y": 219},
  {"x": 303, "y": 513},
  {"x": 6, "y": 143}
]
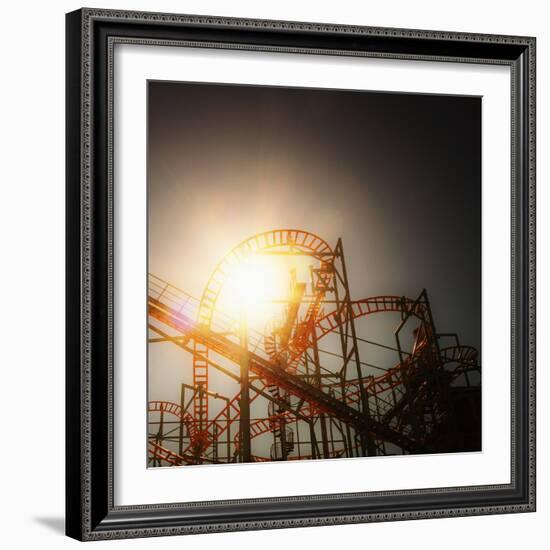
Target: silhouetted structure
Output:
[{"x": 316, "y": 402}]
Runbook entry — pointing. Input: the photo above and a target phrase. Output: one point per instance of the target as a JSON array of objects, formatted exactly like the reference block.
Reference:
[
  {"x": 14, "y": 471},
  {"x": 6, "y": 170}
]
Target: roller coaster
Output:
[{"x": 309, "y": 384}]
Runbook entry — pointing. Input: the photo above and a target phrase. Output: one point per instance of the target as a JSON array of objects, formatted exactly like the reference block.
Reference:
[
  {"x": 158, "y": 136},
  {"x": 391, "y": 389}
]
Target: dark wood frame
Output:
[{"x": 90, "y": 512}]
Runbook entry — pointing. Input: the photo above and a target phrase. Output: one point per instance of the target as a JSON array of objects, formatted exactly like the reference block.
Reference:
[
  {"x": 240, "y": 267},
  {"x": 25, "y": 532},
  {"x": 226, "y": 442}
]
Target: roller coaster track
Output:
[
  {"x": 278, "y": 362},
  {"x": 257, "y": 428},
  {"x": 174, "y": 459},
  {"x": 273, "y": 374},
  {"x": 269, "y": 241}
]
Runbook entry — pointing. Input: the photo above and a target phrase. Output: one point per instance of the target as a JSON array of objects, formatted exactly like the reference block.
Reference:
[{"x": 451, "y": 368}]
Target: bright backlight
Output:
[{"x": 256, "y": 286}]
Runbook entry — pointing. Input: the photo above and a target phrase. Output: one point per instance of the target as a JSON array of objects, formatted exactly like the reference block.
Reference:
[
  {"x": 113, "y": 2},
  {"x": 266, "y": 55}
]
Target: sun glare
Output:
[{"x": 257, "y": 286}]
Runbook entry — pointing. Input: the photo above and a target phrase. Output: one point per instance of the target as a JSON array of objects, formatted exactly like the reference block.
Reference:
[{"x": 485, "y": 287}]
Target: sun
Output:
[{"x": 257, "y": 287}]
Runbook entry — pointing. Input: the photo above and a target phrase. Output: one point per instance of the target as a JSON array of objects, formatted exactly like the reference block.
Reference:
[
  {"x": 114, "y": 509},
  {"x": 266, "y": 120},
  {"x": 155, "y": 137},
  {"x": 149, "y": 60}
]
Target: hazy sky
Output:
[{"x": 396, "y": 176}]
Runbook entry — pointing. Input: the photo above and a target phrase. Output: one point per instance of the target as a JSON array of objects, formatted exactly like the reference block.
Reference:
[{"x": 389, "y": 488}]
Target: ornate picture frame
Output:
[{"x": 91, "y": 509}]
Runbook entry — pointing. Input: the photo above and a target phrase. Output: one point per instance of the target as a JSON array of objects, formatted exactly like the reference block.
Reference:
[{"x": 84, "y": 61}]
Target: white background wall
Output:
[{"x": 32, "y": 259}]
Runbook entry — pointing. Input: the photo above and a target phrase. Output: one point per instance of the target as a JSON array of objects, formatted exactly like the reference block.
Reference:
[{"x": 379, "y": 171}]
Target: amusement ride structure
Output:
[{"x": 306, "y": 386}]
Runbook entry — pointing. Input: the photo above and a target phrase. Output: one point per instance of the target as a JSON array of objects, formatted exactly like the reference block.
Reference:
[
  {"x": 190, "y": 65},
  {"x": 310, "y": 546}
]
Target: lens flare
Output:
[{"x": 257, "y": 286}]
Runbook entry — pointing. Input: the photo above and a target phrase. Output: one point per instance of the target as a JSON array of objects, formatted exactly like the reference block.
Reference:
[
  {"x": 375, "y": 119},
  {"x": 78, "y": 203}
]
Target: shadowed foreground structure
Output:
[{"x": 329, "y": 376}]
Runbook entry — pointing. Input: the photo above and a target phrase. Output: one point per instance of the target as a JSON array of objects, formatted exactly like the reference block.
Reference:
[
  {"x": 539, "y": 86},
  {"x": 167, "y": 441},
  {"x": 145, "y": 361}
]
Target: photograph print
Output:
[{"x": 314, "y": 274}]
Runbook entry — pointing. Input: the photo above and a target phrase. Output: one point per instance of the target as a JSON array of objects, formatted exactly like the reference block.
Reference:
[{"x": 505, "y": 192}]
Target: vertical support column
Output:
[
  {"x": 344, "y": 346},
  {"x": 200, "y": 399},
  {"x": 215, "y": 443},
  {"x": 332, "y": 445},
  {"x": 408, "y": 365},
  {"x": 367, "y": 444},
  {"x": 441, "y": 399},
  {"x": 382, "y": 444},
  {"x": 297, "y": 442},
  {"x": 346, "y": 438},
  {"x": 318, "y": 383},
  {"x": 314, "y": 448},
  {"x": 244, "y": 405},
  {"x": 284, "y": 452},
  {"x": 160, "y": 435},
  {"x": 228, "y": 430},
  {"x": 182, "y": 405}
]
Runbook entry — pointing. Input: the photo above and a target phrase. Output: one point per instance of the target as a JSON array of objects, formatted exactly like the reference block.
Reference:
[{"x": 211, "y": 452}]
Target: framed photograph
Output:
[{"x": 300, "y": 274}]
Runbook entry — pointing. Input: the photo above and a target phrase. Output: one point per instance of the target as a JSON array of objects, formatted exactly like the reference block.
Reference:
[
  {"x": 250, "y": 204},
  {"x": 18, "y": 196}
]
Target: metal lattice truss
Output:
[{"x": 312, "y": 411}]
